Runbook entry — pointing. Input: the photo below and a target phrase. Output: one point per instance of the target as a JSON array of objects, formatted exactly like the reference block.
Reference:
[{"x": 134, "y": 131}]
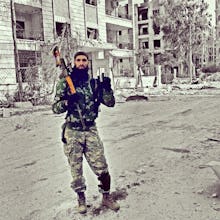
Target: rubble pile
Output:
[{"x": 214, "y": 77}]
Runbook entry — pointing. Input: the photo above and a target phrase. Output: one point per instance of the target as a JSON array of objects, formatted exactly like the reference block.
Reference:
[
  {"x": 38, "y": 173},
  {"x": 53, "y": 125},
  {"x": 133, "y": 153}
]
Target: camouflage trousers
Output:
[{"x": 85, "y": 143}]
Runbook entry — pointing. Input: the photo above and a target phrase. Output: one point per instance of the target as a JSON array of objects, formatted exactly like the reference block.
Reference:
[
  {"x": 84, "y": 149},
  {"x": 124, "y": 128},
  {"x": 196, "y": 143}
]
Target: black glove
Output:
[
  {"x": 71, "y": 99},
  {"x": 106, "y": 84}
]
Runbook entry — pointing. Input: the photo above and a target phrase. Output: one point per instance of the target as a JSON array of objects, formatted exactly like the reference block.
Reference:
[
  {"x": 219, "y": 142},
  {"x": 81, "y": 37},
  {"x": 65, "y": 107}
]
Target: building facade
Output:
[
  {"x": 149, "y": 36},
  {"x": 104, "y": 29}
]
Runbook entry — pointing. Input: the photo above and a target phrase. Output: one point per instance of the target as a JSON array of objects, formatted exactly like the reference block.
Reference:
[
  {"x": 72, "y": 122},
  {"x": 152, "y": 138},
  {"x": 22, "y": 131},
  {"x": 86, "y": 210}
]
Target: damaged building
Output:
[
  {"x": 118, "y": 35},
  {"x": 105, "y": 29}
]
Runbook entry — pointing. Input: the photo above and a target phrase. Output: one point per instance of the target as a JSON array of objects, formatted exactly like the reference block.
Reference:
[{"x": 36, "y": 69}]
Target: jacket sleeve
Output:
[
  {"x": 59, "y": 105},
  {"x": 108, "y": 98}
]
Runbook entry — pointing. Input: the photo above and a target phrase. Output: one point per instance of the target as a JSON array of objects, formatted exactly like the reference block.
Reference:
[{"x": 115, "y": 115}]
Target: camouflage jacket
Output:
[{"x": 88, "y": 102}]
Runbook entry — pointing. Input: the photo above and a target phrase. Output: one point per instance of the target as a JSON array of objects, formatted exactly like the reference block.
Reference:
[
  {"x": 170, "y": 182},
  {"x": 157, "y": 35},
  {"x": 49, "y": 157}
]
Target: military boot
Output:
[
  {"x": 82, "y": 203},
  {"x": 108, "y": 201}
]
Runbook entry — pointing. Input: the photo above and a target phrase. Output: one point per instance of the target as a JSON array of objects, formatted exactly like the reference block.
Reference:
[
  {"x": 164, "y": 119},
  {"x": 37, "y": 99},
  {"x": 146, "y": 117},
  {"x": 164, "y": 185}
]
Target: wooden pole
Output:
[
  {"x": 17, "y": 62},
  {"x": 190, "y": 52}
]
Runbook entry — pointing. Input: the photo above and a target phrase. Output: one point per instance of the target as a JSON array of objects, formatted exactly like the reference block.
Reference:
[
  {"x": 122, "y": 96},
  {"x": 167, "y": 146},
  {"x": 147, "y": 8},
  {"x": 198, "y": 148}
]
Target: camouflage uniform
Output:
[{"x": 81, "y": 142}]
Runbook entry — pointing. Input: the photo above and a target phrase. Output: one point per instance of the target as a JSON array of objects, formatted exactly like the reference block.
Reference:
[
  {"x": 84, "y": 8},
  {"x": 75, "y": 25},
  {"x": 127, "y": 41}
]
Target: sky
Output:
[{"x": 212, "y": 9}]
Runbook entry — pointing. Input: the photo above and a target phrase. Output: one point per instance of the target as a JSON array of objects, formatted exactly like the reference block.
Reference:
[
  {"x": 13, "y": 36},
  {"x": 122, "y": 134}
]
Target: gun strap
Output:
[{"x": 70, "y": 84}]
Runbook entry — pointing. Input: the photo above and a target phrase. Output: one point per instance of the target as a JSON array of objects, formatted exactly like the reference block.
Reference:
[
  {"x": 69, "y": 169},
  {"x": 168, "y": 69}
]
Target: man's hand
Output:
[
  {"x": 106, "y": 84},
  {"x": 71, "y": 99}
]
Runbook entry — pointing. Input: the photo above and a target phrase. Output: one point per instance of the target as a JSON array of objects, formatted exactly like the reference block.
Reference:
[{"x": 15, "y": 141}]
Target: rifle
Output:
[{"x": 61, "y": 63}]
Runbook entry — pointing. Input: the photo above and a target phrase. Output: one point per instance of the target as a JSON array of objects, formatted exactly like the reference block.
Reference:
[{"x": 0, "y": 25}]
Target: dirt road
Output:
[{"x": 154, "y": 149}]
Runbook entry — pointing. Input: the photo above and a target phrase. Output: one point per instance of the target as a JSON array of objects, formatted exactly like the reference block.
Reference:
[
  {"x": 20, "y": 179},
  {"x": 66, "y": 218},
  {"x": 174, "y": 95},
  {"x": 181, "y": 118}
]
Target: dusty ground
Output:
[{"x": 150, "y": 180}]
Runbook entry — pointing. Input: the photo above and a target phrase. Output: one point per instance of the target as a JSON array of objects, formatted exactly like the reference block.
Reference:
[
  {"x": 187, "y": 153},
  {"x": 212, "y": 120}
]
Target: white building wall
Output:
[
  {"x": 48, "y": 20},
  {"x": 102, "y": 21},
  {"x": 7, "y": 61},
  {"x": 61, "y": 8},
  {"x": 77, "y": 17}
]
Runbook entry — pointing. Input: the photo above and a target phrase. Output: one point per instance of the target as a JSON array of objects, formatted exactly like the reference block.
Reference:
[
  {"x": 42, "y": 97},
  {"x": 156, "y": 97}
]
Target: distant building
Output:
[
  {"x": 151, "y": 43},
  {"x": 149, "y": 35}
]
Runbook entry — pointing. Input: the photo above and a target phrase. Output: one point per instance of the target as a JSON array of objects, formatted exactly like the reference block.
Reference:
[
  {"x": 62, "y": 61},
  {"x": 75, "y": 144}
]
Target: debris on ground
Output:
[
  {"x": 178, "y": 150},
  {"x": 137, "y": 98}
]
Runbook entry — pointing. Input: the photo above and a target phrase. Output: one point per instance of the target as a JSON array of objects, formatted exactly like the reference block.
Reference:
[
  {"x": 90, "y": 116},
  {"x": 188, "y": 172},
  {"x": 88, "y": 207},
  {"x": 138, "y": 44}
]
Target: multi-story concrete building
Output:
[
  {"x": 104, "y": 29},
  {"x": 149, "y": 36},
  {"x": 217, "y": 14}
]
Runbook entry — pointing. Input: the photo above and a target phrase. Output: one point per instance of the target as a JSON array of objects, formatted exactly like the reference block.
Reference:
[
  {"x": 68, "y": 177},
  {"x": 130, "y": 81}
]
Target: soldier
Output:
[{"x": 80, "y": 135}]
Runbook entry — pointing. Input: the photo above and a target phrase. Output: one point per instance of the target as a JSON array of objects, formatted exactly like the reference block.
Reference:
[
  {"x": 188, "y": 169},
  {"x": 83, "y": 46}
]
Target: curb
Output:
[{"x": 8, "y": 112}]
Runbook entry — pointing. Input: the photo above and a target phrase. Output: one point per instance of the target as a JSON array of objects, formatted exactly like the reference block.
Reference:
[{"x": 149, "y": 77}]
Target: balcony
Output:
[
  {"x": 144, "y": 45},
  {"x": 124, "y": 46},
  {"x": 120, "y": 23},
  {"x": 32, "y": 35},
  {"x": 142, "y": 14},
  {"x": 117, "y": 8},
  {"x": 117, "y": 14},
  {"x": 121, "y": 53},
  {"x": 33, "y": 3},
  {"x": 29, "y": 24},
  {"x": 31, "y": 45},
  {"x": 122, "y": 39},
  {"x": 157, "y": 45}
]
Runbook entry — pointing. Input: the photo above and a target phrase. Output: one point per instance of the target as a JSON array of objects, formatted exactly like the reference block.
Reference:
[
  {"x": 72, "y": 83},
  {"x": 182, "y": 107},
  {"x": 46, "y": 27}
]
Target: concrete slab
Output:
[{"x": 23, "y": 105}]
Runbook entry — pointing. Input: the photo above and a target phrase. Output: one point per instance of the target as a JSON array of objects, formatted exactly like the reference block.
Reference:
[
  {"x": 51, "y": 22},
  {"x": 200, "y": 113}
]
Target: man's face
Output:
[{"x": 81, "y": 62}]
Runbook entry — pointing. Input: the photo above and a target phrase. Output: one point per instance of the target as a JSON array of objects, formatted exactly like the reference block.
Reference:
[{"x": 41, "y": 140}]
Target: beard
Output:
[{"x": 80, "y": 75}]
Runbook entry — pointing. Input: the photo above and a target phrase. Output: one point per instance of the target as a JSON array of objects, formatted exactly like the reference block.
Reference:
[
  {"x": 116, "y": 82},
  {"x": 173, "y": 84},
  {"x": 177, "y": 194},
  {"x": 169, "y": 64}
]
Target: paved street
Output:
[{"x": 160, "y": 183}]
